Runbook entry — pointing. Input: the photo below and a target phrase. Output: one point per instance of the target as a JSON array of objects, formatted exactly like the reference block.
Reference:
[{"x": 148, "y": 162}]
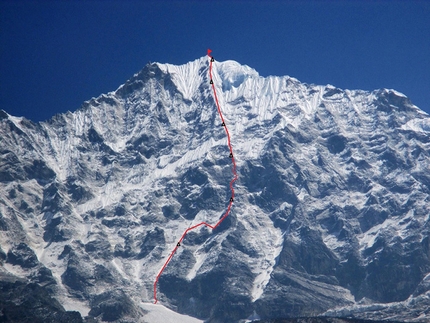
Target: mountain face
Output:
[{"x": 330, "y": 216}]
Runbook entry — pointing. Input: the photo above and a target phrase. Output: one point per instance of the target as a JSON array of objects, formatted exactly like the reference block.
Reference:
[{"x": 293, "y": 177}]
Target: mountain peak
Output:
[
  {"x": 190, "y": 75},
  {"x": 187, "y": 77},
  {"x": 330, "y": 215},
  {"x": 3, "y": 114},
  {"x": 232, "y": 74}
]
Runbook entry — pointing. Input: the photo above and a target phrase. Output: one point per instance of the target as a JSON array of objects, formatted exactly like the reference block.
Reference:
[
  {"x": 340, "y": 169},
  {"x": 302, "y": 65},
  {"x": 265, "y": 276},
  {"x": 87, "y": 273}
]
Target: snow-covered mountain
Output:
[{"x": 330, "y": 217}]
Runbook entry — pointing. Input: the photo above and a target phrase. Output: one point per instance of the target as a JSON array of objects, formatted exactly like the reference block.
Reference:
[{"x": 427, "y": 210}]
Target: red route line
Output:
[{"x": 231, "y": 186}]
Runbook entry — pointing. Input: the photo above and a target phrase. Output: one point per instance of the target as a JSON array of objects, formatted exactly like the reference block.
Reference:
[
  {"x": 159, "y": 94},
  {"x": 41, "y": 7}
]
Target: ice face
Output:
[{"x": 234, "y": 74}]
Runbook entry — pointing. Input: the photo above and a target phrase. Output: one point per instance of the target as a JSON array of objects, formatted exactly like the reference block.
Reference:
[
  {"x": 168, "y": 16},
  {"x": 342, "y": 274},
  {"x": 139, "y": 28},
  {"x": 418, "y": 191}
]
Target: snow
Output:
[
  {"x": 200, "y": 257},
  {"x": 397, "y": 93},
  {"x": 252, "y": 149},
  {"x": 258, "y": 111},
  {"x": 73, "y": 304},
  {"x": 233, "y": 74},
  {"x": 391, "y": 226},
  {"x": 187, "y": 76},
  {"x": 268, "y": 245},
  {"x": 16, "y": 121},
  {"x": 157, "y": 313},
  {"x": 417, "y": 125}
]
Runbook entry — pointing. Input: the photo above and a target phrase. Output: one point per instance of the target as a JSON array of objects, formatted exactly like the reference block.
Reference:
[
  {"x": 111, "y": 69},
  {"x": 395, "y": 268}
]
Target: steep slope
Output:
[{"x": 331, "y": 213}]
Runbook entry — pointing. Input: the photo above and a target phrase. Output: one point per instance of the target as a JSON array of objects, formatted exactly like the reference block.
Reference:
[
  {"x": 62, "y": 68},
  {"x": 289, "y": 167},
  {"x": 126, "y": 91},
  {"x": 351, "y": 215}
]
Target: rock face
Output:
[
  {"x": 22, "y": 255},
  {"x": 29, "y": 302},
  {"x": 331, "y": 214}
]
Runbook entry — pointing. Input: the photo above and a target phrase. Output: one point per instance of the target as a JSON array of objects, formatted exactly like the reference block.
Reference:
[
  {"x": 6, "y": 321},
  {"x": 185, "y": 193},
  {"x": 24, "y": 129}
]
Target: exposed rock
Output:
[
  {"x": 21, "y": 302},
  {"x": 112, "y": 306},
  {"x": 22, "y": 255}
]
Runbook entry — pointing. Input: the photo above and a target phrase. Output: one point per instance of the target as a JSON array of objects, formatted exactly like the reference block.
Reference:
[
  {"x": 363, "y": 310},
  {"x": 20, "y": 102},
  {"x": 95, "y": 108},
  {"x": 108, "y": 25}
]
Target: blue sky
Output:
[{"x": 56, "y": 54}]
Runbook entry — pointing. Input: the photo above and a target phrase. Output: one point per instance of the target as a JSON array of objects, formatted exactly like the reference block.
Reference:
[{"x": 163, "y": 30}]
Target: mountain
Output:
[{"x": 330, "y": 216}]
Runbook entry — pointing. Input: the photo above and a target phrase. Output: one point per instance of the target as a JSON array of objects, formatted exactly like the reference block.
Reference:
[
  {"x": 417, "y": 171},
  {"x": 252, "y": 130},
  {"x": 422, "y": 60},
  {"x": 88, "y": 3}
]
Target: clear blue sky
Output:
[{"x": 56, "y": 54}]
